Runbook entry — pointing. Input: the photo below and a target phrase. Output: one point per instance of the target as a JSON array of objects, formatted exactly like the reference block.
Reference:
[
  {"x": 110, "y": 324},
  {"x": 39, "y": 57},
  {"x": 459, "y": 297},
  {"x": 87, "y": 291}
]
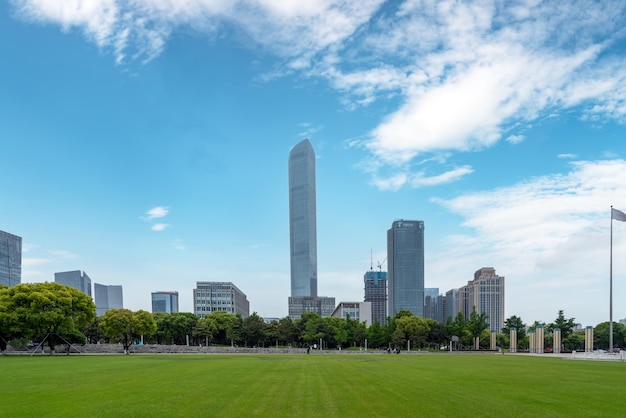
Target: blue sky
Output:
[{"x": 146, "y": 143}]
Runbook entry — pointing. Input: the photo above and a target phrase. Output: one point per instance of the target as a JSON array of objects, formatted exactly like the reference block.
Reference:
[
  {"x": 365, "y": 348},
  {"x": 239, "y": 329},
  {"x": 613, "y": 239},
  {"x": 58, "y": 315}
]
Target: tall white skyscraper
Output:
[
  {"x": 302, "y": 220},
  {"x": 303, "y": 235}
]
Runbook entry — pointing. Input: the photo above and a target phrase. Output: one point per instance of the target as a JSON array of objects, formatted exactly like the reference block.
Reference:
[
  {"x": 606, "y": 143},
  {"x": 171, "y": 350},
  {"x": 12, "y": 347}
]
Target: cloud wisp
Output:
[
  {"x": 466, "y": 74},
  {"x": 157, "y": 212}
]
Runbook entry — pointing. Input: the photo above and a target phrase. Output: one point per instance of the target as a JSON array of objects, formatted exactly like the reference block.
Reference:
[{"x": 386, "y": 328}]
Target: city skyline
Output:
[{"x": 147, "y": 144}]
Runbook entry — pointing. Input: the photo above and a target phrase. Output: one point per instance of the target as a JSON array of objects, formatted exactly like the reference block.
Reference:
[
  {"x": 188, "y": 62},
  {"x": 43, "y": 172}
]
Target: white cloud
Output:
[
  {"x": 567, "y": 156},
  {"x": 294, "y": 30},
  {"x": 420, "y": 180},
  {"x": 390, "y": 183},
  {"x": 515, "y": 139},
  {"x": 463, "y": 73},
  {"x": 159, "y": 227},
  {"x": 548, "y": 236},
  {"x": 97, "y": 18},
  {"x": 156, "y": 213}
]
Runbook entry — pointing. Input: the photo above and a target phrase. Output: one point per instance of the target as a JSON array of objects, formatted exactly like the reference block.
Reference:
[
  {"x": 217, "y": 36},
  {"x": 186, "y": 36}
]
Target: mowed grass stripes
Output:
[{"x": 316, "y": 385}]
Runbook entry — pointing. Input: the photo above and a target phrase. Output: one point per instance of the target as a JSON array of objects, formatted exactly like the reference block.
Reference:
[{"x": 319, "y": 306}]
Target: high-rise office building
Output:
[
  {"x": 76, "y": 279},
  {"x": 164, "y": 302},
  {"x": 405, "y": 261},
  {"x": 452, "y": 304},
  {"x": 209, "y": 297},
  {"x": 433, "y": 292},
  {"x": 303, "y": 234},
  {"x": 302, "y": 220},
  {"x": 107, "y": 297},
  {"x": 430, "y": 302},
  {"x": 441, "y": 309},
  {"x": 486, "y": 293},
  {"x": 376, "y": 293},
  {"x": 10, "y": 259}
]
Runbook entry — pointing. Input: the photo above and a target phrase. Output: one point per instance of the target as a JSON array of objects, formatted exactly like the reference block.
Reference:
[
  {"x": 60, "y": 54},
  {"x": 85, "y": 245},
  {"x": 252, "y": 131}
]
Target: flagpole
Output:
[{"x": 611, "y": 289}]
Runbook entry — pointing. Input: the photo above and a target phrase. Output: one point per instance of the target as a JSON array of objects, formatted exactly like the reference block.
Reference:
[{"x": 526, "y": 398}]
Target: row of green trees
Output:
[
  {"x": 570, "y": 339},
  {"x": 60, "y": 314}
]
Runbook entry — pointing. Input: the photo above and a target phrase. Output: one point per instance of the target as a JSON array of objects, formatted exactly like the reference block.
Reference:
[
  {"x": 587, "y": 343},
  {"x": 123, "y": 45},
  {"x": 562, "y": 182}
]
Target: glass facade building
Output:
[
  {"x": 321, "y": 305},
  {"x": 76, "y": 279},
  {"x": 164, "y": 302},
  {"x": 405, "y": 261},
  {"x": 209, "y": 297},
  {"x": 10, "y": 259},
  {"x": 107, "y": 297},
  {"x": 376, "y": 293},
  {"x": 302, "y": 220}
]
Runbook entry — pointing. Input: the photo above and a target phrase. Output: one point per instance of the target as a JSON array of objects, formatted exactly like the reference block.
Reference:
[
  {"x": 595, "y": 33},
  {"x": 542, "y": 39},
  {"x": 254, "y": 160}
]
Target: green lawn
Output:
[{"x": 299, "y": 385}]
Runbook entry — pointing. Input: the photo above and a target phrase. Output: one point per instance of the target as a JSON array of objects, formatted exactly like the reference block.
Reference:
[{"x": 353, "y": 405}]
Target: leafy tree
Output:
[
  {"x": 176, "y": 326},
  {"x": 566, "y": 325},
  {"x": 576, "y": 341},
  {"x": 287, "y": 331},
  {"x": 477, "y": 324},
  {"x": 438, "y": 333},
  {"x": 124, "y": 326},
  {"x": 223, "y": 324},
  {"x": 398, "y": 338},
  {"x": 503, "y": 340},
  {"x": 161, "y": 335},
  {"x": 271, "y": 332},
  {"x": 93, "y": 332},
  {"x": 235, "y": 331},
  {"x": 143, "y": 323},
  {"x": 459, "y": 327},
  {"x": 9, "y": 324},
  {"x": 376, "y": 335},
  {"x": 253, "y": 329},
  {"x": 517, "y": 323},
  {"x": 337, "y": 330},
  {"x": 311, "y": 327},
  {"x": 601, "y": 335},
  {"x": 359, "y": 333},
  {"x": 45, "y": 309},
  {"x": 402, "y": 313},
  {"x": 410, "y": 328},
  {"x": 534, "y": 325},
  {"x": 205, "y": 329}
]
